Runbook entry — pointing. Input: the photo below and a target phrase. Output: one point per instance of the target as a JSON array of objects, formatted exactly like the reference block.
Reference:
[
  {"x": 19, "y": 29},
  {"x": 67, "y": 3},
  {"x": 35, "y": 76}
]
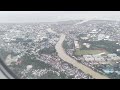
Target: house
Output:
[
  {"x": 87, "y": 45},
  {"x": 98, "y": 58},
  {"x": 84, "y": 38},
  {"x": 29, "y": 67},
  {"x": 94, "y": 31},
  {"x": 113, "y": 56},
  {"x": 88, "y": 57},
  {"x": 118, "y": 50},
  {"x": 76, "y": 44},
  {"x": 101, "y": 36}
]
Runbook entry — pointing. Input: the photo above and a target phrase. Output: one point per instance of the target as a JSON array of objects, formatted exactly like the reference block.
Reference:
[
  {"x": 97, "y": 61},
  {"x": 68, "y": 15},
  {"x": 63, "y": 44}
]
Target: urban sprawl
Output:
[{"x": 74, "y": 49}]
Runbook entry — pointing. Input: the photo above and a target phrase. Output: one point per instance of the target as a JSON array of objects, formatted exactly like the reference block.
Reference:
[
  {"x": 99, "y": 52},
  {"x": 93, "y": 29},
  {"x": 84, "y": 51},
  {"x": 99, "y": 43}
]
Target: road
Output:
[{"x": 62, "y": 54}]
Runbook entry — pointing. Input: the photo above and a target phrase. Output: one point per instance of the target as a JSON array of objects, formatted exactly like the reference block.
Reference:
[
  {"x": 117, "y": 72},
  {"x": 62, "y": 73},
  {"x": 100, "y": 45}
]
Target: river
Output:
[{"x": 62, "y": 54}]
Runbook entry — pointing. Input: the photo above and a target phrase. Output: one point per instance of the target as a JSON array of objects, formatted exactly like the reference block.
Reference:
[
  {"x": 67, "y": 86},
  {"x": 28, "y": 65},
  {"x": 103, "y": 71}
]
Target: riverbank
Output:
[{"x": 62, "y": 54}]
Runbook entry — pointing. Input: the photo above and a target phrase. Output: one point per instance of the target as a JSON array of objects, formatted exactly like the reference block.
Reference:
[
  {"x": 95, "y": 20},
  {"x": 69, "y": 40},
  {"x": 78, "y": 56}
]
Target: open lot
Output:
[{"x": 87, "y": 52}]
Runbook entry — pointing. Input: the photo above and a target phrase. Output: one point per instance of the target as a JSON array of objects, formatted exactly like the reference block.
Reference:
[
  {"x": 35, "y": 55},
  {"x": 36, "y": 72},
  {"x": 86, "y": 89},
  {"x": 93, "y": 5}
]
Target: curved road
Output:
[{"x": 62, "y": 54}]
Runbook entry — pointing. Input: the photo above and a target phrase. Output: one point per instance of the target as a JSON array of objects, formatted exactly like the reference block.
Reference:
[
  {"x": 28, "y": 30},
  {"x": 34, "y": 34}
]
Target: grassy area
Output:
[
  {"x": 109, "y": 46},
  {"x": 85, "y": 52}
]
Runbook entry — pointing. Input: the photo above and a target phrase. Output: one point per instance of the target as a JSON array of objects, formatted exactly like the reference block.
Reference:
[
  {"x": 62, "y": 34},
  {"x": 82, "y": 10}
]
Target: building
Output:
[
  {"x": 76, "y": 44},
  {"x": 106, "y": 38},
  {"x": 84, "y": 38},
  {"x": 113, "y": 56},
  {"x": 29, "y": 67},
  {"x": 87, "y": 45},
  {"x": 98, "y": 58},
  {"x": 94, "y": 31},
  {"x": 88, "y": 57},
  {"x": 118, "y": 50},
  {"x": 101, "y": 36},
  {"x": 11, "y": 59}
]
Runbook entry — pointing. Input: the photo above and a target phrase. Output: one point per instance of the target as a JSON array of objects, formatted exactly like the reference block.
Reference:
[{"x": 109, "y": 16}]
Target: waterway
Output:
[{"x": 62, "y": 54}]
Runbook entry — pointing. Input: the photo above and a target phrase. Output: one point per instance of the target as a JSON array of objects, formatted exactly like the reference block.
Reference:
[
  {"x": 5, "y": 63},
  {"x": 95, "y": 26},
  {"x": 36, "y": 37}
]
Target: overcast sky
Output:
[{"x": 53, "y": 16}]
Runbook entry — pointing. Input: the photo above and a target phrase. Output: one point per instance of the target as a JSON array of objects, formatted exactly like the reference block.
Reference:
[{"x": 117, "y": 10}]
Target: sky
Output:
[{"x": 54, "y": 16}]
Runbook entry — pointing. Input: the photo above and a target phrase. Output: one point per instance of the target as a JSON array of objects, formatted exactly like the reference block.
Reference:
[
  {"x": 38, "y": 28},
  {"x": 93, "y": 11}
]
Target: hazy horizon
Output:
[{"x": 54, "y": 16}]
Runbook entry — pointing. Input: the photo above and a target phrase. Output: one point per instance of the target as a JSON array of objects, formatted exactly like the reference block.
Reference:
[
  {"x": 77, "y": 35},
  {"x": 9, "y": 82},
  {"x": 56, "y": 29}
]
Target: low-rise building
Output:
[
  {"x": 113, "y": 56},
  {"x": 87, "y": 45},
  {"x": 76, "y": 44},
  {"x": 88, "y": 57},
  {"x": 98, "y": 58},
  {"x": 84, "y": 38},
  {"x": 101, "y": 36},
  {"x": 118, "y": 50}
]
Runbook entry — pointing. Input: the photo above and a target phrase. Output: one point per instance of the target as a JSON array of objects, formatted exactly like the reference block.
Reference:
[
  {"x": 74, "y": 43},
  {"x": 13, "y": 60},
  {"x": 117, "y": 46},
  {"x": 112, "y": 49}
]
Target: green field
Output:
[{"x": 85, "y": 52}]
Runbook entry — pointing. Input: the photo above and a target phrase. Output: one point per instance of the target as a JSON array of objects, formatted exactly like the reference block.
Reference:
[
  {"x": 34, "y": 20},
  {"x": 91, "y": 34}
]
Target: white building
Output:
[
  {"x": 88, "y": 57},
  {"x": 93, "y": 31},
  {"x": 76, "y": 44},
  {"x": 87, "y": 45},
  {"x": 84, "y": 38},
  {"x": 101, "y": 36},
  {"x": 98, "y": 58},
  {"x": 118, "y": 50},
  {"x": 11, "y": 59},
  {"x": 29, "y": 67},
  {"x": 113, "y": 56}
]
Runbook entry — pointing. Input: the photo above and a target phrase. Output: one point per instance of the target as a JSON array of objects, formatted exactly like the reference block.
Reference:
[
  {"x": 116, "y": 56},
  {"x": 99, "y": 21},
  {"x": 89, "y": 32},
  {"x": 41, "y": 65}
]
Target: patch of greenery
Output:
[
  {"x": 49, "y": 50},
  {"x": 66, "y": 46},
  {"x": 109, "y": 46},
  {"x": 86, "y": 52},
  {"x": 50, "y": 75},
  {"x": 31, "y": 60},
  {"x": 3, "y": 54}
]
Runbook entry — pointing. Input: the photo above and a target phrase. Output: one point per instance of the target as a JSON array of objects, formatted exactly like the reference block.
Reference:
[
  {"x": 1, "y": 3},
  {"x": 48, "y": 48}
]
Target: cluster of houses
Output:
[
  {"x": 62, "y": 66},
  {"x": 100, "y": 58}
]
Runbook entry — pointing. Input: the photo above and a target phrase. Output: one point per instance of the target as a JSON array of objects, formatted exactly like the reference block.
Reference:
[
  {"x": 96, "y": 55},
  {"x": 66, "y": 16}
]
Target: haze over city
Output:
[
  {"x": 77, "y": 45},
  {"x": 53, "y": 16}
]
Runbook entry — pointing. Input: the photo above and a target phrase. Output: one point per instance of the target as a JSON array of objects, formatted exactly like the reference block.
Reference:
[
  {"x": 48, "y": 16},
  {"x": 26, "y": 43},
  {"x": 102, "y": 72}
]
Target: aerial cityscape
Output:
[{"x": 71, "y": 49}]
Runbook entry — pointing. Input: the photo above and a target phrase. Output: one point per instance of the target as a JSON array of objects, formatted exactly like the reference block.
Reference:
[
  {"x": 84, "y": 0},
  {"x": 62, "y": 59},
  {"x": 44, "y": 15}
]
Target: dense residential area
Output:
[
  {"x": 29, "y": 51},
  {"x": 59, "y": 50},
  {"x": 96, "y": 44}
]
